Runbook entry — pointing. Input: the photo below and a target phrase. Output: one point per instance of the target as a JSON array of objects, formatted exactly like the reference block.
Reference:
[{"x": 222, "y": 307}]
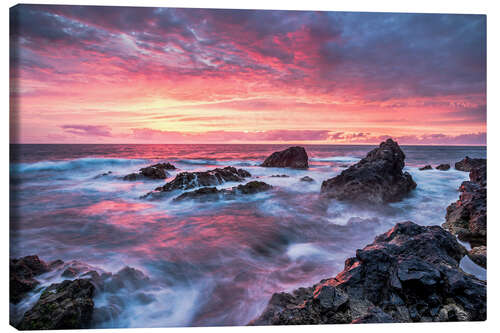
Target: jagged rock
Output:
[
  {"x": 409, "y": 274},
  {"x": 65, "y": 305},
  {"x": 306, "y": 179},
  {"x": 467, "y": 164},
  {"x": 156, "y": 171},
  {"x": 377, "y": 178},
  {"x": 478, "y": 255},
  {"x": 443, "y": 167},
  {"x": 293, "y": 157},
  {"x": 213, "y": 194},
  {"x": 466, "y": 217},
  {"x": 22, "y": 273},
  {"x": 427, "y": 167},
  {"x": 189, "y": 180}
]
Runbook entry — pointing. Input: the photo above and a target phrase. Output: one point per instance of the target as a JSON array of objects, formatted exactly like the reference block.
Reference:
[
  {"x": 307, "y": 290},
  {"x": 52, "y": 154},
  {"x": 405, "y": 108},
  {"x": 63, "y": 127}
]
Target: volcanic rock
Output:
[
  {"x": 293, "y": 157},
  {"x": 409, "y": 274},
  {"x": 306, "y": 179},
  {"x": 443, "y": 167},
  {"x": 466, "y": 217},
  {"x": 22, "y": 273},
  {"x": 189, "y": 180},
  {"x": 377, "y": 178},
  {"x": 156, "y": 171},
  {"x": 65, "y": 305},
  {"x": 213, "y": 194},
  {"x": 427, "y": 167},
  {"x": 467, "y": 164}
]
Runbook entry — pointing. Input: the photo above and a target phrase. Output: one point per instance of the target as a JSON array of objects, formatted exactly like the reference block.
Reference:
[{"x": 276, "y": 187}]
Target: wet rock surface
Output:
[
  {"x": 427, "y": 167},
  {"x": 443, "y": 167},
  {"x": 190, "y": 180},
  {"x": 156, "y": 171},
  {"x": 377, "y": 178},
  {"x": 22, "y": 275},
  {"x": 306, "y": 179},
  {"x": 214, "y": 194},
  {"x": 65, "y": 305},
  {"x": 467, "y": 164},
  {"x": 478, "y": 255},
  {"x": 409, "y": 274},
  {"x": 293, "y": 157},
  {"x": 466, "y": 217}
]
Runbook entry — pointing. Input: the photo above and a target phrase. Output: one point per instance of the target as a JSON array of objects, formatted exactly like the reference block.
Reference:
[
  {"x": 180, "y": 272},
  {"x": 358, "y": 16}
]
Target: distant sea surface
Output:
[{"x": 208, "y": 263}]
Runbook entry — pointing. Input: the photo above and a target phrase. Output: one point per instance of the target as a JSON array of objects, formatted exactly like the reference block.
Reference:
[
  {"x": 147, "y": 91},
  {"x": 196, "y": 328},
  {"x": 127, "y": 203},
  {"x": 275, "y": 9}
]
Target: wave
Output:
[
  {"x": 335, "y": 159},
  {"x": 76, "y": 164}
]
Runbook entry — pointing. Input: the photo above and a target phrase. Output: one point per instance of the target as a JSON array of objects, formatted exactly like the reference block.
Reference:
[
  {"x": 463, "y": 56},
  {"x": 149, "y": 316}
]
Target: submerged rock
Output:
[
  {"x": 377, "y": 178},
  {"x": 65, "y": 305},
  {"x": 22, "y": 275},
  {"x": 443, "y": 167},
  {"x": 280, "y": 176},
  {"x": 189, "y": 180},
  {"x": 214, "y": 194},
  {"x": 293, "y": 157},
  {"x": 409, "y": 274},
  {"x": 156, "y": 171},
  {"x": 467, "y": 164},
  {"x": 427, "y": 167},
  {"x": 306, "y": 179}
]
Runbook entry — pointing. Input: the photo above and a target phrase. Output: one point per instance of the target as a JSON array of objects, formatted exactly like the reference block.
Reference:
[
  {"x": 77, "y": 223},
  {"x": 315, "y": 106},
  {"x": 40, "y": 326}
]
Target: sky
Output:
[{"x": 89, "y": 74}]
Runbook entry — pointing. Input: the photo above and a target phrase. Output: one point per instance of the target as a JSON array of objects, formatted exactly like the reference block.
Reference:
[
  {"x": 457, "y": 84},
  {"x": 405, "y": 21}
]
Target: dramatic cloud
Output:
[{"x": 324, "y": 76}]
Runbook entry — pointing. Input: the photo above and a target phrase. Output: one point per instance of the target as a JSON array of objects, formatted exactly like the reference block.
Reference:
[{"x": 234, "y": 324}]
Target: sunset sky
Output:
[{"x": 160, "y": 75}]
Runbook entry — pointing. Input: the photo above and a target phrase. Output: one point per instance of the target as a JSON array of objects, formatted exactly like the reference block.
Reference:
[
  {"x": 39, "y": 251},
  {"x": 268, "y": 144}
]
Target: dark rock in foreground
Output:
[
  {"x": 213, "y": 194},
  {"x": 189, "y": 180},
  {"x": 293, "y": 157},
  {"x": 306, "y": 179},
  {"x": 22, "y": 275},
  {"x": 409, "y": 274},
  {"x": 478, "y": 255},
  {"x": 443, "y": 167},
  {"x": 467, "y": 164},
  {"x": 156, "y": 171},
  {"x": 377, "y": 178},
  {"x": 65, "y": 305},
  {"x": 427, "y": 167}
]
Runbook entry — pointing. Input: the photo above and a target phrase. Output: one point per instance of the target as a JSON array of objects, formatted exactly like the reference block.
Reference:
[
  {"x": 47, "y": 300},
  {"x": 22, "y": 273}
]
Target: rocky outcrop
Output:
[
  {"x": 306, "y": 179},
  {"x": 443, "y": 167},
  {"x": 65, "y": 305},
  {"x": 22, "y": 275},
  {"x": 214, "y": 194},
  {"x": 190, "y": 180},
  {"x": 427, "y": 167},
  {"x": 467, "y": 164},
  {"x": 293, "y": 157},
  {"x": 409, "y": 274},
  {"x": 466, "y": 217},
  {"x": 280, "y": 176},
  {"x": 156, "y": 171},
  {"x": 377, "y": 178}
]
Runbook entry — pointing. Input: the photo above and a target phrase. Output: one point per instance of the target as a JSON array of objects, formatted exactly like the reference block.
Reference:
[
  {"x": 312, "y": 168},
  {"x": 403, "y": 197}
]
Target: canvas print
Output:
[{"x": 223, "y": 167}]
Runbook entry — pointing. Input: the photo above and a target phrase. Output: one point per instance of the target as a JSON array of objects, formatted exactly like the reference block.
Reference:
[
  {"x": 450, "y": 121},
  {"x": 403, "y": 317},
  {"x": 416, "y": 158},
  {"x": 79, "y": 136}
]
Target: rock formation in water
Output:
[
  {"x": 22, "y": 275},
  {"x": 427, "y": 167},
  {"x": 409, "y": 274},
  {"x": 443, "y": 167},
  {"x": 306, "y": 179},
  {"x": 378, "y": 178},
  {"x": 214, "y": 194},
  {"x": 156, "y": 171},
  {"x": 65, "y": 305},
  {"x": 293, "y": 157},
  {"x": 466, "y": 217},
  {"x": 190, "y": 180},
  {"x": 467, "y": 164}
]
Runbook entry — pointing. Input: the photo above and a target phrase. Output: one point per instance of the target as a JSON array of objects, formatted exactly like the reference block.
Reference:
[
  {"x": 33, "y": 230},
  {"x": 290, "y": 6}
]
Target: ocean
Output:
[{"x": 215, "y": 263}]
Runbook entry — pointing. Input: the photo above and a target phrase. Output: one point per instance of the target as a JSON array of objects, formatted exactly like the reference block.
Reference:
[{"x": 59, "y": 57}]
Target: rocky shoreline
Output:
[{"x": 410, "y": 273}]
